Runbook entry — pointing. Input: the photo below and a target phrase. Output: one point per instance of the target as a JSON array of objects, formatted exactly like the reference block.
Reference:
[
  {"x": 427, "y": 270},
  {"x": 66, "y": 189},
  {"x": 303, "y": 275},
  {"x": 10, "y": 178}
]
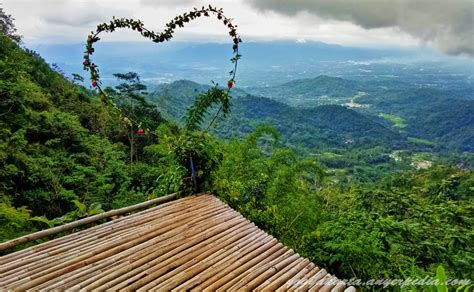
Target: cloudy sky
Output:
[{"x": 447, "y": 25}]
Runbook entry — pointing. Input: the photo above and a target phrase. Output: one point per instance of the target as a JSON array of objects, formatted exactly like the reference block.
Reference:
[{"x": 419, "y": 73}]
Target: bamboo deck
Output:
[{"x": 195, "y": 243}]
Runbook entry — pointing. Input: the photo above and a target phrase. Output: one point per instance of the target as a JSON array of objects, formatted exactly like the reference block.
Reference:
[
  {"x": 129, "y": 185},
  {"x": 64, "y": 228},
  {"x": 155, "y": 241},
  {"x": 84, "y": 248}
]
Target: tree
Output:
[
  {"x": 7, "y": 27},
  {"x": 76, "y": 78},
  {"x": 129, "y": 97}
]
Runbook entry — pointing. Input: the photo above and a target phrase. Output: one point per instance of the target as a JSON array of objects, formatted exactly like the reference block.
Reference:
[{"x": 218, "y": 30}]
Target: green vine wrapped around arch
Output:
[{"x": 159, "y": 37}]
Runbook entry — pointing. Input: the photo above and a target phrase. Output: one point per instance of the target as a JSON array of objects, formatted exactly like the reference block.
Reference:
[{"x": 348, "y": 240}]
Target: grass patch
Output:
[
  {"x": 420, "y": 141},
  {"x": 397, "y": 121}
]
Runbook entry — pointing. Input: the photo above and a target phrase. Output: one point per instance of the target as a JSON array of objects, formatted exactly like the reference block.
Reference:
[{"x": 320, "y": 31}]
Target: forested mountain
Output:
[
  {"x": 55, "y": 145},
  {"x": 300, "y": 111},
  {"x": 419, "y": 107},
  {"x": 357, "y": 208},
  {"x": 311, "y": 92},
  {"x": 319, "y": 127},
  {"x": 437, "y": 116}
]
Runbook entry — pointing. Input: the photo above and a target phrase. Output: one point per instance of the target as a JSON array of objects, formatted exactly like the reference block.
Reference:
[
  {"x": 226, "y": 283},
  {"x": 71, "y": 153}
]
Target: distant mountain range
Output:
[
  {"x": 389, "y": 97},
  {"x": 263, "y": 63},
  {"x": 334, "y": 112}
]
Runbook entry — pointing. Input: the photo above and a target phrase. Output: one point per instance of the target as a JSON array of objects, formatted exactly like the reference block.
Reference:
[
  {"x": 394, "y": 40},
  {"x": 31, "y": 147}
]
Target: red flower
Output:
[
  {"x": 230, "y": 84},
  {"x": 85, "y": 63},
  {"x": 140, "y": 131},
  {"x": 94, "y": 83}
]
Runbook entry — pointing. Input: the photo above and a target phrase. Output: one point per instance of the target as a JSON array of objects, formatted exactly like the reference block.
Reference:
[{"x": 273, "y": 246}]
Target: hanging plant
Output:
[{"x": 159, "y": 37}]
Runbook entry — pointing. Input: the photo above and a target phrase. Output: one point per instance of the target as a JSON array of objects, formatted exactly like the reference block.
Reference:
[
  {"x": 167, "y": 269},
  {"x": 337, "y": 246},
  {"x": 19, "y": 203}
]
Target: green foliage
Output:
[
  {"x": 14, "y": 221},
  {"x": 268, "y": 184},
  {"x": 410, "y": 217},
  {"x": 438, "y": 117},
  {"x": 377, "y": 229},
  {"x": 7, "y": 27},
  {"x": 204, "y": 102},
  {"x": 322, "y": 127},
  {"x": 357, "y": 211},
  {"x": 80, "y": 212},
  {"x": 312, "y": 92},
  {"x": 397, "y": 121},
  {"x": 420, "y": 141},
  {"x": 441, "y": 277},
  {"x": 57, "y": 146},
  {"x": 175, "y": 149},
  {"x": 129, "y": 98}
]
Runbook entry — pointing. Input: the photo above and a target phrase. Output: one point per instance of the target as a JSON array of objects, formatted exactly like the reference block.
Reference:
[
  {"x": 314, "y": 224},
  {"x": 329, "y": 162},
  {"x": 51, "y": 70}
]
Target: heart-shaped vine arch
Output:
[{"x": 213, "y": 96}]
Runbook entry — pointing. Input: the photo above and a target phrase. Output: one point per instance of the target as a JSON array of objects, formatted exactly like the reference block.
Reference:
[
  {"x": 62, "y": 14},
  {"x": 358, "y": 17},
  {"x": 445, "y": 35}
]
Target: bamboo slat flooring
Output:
[{"x": 196, "y": 243}]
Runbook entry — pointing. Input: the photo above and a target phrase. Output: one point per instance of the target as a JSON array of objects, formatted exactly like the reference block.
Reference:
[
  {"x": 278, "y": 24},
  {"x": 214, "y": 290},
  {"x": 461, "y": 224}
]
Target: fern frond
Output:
[{"x": 199, "y": 110}]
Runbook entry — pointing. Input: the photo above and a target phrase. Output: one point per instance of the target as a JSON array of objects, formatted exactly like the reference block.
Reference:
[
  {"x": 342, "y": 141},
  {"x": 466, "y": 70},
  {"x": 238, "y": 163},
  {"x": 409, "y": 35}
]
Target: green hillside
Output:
[
  {"x": 431, "y": 115},
  {"x": 173, "y": 99},
  {"x": 420, "y": 108},
  {"x": 311, "y": 92},
  {"x": 319, "y": 127},
  {"x": 354, "y": 209},
  {"x": 58, "y": 144}
]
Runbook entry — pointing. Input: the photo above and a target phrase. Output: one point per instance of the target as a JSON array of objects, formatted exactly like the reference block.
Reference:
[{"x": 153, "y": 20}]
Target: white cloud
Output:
[
  {"x": 161, "y": 3},
  {"x": 75, "y": 13},
  {"x": 361, "y": 22},
  {"x": 448, "y": 24}
]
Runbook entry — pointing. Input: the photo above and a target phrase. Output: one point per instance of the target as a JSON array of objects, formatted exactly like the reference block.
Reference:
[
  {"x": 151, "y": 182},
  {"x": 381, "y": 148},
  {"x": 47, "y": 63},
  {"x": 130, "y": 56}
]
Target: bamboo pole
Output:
[
  {"x": 151, "y": 261},
  {"x": 139, "y": 256},
  {"x": 297, "y": 278},
  {"x": 132, "y": 261},
  {"x": 206, "y": 266},
  {"x": 86, "y": 251},
  {"x": 321, "y": 283},
  {"x": 154, "y": 280},
  {"x": 82, "y": 245},
  {"x": 220, "y": 267},
  {"x": 51, "y": 260},
  {"x": 135, "y": 252},
  {"x": 95, "y": 230},
  {"x": 339, "y": 287},
  {"x": 91, "y": 219},
  {"x": 312, "y": 280},
  {"x": 330, "y": 284},
  {"x": 303, "y": 281},
  {"x": 282, "y": 263},
  {"x": 92, "y": 256},
  {"x": 246, "y": 269},
  {"x": 280, "y": 278},
  {"x": 271, "y": 277},
  {"x": 254, "y": 272},
  {"x": 195, "y": 243},
  {"x": 209, "y": 258},
  {"x": 228, "y": 272}
]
